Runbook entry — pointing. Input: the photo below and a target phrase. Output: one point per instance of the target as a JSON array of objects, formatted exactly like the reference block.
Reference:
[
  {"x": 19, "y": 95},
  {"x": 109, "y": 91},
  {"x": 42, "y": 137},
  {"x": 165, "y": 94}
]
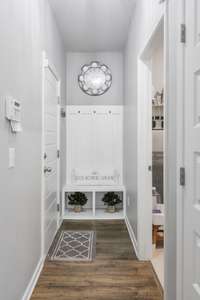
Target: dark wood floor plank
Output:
[{"x": 115, "y": 273}]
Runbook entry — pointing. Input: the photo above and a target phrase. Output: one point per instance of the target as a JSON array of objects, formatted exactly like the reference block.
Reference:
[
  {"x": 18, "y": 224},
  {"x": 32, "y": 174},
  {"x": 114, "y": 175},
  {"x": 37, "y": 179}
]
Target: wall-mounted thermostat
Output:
[{"x": 13, "y": 113}]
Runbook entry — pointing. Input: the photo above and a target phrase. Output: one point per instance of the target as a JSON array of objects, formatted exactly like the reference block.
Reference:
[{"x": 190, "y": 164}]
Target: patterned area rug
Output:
[{"x": 74, "y": 246}]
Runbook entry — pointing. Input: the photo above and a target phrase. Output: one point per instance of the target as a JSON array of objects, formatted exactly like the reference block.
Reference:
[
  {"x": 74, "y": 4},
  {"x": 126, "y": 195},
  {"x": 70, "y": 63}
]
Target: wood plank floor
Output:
[{"x": 115, "y": 273}]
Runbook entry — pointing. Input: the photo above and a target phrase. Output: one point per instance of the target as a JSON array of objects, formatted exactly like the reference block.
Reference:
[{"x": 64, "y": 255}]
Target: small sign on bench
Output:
[{"x": 95, "y": 178}]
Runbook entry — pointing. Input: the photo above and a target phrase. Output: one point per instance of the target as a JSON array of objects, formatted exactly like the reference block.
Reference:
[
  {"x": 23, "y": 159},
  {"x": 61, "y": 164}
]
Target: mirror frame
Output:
[{"x": 88, "y": 67}]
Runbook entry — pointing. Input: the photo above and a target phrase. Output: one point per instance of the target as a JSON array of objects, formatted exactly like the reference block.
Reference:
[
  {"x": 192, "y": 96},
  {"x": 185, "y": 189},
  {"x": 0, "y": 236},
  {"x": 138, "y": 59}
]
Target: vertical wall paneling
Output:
[{"x": 94, "y": 141}]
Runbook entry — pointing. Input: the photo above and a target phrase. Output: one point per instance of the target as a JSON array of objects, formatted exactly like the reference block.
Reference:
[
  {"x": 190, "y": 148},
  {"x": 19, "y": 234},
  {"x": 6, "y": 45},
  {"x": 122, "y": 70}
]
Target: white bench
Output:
[{"x": 95, "y": 208}]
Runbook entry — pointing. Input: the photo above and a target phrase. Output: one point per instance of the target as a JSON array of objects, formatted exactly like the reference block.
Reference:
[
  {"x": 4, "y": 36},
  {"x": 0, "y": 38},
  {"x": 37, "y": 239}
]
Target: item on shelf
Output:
[
  {"x": 153, "y": 123},
  {"x": 156, "y": 211},
  {"x": 157, "y": 122},
  {"x": 111, "y": 199},
  {"x": 162, "y": 96},
  {"x": 158, "y": 98},
  {"x": 155, "y": 201},
  {"x": 78, "y": 200}
]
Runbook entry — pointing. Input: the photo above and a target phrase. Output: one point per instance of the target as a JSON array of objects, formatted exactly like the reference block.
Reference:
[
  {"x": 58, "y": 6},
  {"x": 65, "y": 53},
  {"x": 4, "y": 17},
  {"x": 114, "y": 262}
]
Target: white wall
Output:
[
  {"x": 146, "y": 15},
  {"x": 158, "y": 68},
  {"x": 75, "y": 96},
  {"x": 27, "y": 27}
]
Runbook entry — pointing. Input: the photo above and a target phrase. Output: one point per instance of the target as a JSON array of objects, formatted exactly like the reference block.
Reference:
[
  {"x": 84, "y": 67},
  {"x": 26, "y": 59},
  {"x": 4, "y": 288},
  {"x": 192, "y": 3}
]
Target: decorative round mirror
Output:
[{"x": 95, "y": 79}]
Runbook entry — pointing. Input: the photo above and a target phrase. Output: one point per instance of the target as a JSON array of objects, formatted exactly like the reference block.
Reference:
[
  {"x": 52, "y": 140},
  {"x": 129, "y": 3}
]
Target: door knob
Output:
[{"x": 47, "y": 170}]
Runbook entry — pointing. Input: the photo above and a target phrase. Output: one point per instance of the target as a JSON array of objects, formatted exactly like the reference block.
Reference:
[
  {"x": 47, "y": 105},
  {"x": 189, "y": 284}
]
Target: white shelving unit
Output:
[{"x": 95, "y": 208}]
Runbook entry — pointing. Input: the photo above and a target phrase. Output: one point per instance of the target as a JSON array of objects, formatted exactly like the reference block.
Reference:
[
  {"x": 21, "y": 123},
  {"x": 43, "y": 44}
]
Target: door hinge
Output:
[
  {"x": 58, "y": 207},
  {"x": 183, "y": 34},
  {"x": 182, "y": 176},
  {"x": 58, "y": 153}
]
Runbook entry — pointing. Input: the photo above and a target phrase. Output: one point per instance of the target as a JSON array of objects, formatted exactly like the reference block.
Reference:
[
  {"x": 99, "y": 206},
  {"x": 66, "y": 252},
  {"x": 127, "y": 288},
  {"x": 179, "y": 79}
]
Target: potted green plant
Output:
[
  {"x": 78, "y": 200},
  {"x": 111, "y": 199}
]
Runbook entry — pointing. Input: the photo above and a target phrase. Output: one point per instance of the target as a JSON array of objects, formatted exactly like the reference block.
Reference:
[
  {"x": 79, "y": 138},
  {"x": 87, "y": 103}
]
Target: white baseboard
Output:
[
  {"x": 33, "y": 281},
  {"x": 132, "y": 236}
]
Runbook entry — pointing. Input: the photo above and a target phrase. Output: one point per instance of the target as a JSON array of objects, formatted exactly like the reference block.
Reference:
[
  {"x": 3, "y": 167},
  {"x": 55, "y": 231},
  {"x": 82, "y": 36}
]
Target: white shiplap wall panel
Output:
[{"x": 94, "y": 140}]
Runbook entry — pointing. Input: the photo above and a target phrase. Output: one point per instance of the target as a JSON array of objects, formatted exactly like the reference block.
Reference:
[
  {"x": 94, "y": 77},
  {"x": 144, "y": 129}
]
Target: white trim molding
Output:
[
  {"x": 33, "y": 281},
  {"x": 175, "y": 150},
  {"x": 144, "y": 141},
  {"x": 132, "y": 236},
  {"x": 47, "y": 64}
]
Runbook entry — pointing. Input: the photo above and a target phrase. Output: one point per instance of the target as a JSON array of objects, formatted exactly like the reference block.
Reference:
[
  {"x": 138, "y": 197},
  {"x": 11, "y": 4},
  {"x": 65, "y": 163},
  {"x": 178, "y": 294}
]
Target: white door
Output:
[
  {"x": 51, "y": 160},
  {"x": 191, "y": 247}
]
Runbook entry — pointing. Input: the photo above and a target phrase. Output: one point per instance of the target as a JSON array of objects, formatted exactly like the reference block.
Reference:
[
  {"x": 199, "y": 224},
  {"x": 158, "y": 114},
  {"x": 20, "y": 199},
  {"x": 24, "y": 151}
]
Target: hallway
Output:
[
  {"x": 114, "y": 274},
  {"x": 99, "y": 132}
]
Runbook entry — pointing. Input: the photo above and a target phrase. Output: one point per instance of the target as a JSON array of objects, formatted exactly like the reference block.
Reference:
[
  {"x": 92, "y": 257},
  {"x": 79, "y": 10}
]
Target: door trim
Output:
[
  {"x": 47, "y": 64},
  {"x": 145, "y": 211},
  {"x": 144, "y": 95},
  {"x": 175, "y": 92}
]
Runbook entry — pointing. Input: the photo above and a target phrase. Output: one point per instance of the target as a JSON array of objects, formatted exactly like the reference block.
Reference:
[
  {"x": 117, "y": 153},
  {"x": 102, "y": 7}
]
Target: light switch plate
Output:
[{"x": 11, "y": 163}]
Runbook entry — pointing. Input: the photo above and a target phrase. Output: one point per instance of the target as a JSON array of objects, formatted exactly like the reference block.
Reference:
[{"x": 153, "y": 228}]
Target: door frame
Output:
[
  {"x": 144, "y": 230},
  {"x": 144, "y": 135},
  {"x": 174, "y": 16},
  {"x": 47, "y": 64},
  {"x": 175, "y": 93},
  {"x": 144, "y": 209}
]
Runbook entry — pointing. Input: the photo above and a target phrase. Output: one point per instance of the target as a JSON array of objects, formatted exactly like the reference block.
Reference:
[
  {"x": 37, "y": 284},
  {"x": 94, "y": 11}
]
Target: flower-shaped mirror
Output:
[{"x": 95, "y": 79}]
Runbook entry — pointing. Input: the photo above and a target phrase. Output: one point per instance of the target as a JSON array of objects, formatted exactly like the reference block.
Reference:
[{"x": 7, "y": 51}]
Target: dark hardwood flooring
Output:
[{"x": 115, "y": 273}]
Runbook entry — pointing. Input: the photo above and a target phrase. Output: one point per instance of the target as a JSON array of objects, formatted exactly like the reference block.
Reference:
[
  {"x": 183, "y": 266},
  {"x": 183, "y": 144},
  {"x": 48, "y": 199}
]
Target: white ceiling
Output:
[{"x": 93, "y": 25}]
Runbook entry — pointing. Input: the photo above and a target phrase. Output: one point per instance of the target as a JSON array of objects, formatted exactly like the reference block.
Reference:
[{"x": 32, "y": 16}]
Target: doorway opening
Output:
[
  {"x": 158, "y": 201},
  {"x": 151, "y": 150}
]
